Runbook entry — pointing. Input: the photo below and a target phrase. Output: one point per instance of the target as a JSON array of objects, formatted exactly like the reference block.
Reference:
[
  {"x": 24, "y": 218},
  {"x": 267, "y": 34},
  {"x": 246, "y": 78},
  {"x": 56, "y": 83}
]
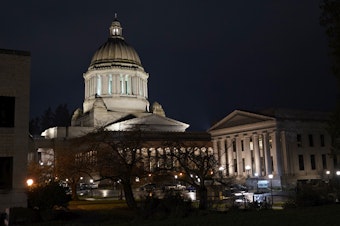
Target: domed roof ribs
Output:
[{"x": 115, "y": 50}]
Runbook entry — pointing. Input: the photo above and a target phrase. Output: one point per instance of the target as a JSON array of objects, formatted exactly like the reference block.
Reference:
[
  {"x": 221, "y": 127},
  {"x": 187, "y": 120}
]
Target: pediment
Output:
[
  {"x": 239, "y": 118},
  {"x": 151, "y": 122}
]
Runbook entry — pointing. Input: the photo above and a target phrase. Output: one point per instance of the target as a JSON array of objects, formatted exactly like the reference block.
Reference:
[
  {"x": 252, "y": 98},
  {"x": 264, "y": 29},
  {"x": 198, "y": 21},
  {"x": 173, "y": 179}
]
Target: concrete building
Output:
[
  {"x": 289, "y": 145},
  {"x": 116, "y": 94},
  {"x": 14, "y": 121}
]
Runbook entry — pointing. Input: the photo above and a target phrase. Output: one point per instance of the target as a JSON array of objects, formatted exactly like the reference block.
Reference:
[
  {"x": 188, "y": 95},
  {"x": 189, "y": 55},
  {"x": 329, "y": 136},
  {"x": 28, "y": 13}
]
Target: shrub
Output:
[
  {"x": 171, "y": 205},
  {"x": 45, "y": 198}
]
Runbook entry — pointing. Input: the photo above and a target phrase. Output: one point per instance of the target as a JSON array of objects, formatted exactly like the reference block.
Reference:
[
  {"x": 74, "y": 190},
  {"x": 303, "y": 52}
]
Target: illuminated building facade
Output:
[
  {"x": 288, "y": 144},
  {"x": 116, "y": 99}
]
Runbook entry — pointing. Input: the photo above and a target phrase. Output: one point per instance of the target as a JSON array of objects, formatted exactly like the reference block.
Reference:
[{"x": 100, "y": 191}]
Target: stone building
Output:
[
  {"x": 14, "y": 121},
  {"x": 116, "y": 99},
  {"x": 288, "y": 145}
]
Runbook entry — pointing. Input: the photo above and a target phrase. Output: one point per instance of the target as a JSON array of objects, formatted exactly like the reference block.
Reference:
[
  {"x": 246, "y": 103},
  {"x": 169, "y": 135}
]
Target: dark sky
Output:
[{"x": 205, "y": 58}]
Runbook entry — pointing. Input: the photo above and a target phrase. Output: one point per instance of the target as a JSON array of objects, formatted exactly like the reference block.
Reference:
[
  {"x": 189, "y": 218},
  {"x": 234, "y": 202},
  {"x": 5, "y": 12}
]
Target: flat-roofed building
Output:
[{"x": 14, "y": 122}]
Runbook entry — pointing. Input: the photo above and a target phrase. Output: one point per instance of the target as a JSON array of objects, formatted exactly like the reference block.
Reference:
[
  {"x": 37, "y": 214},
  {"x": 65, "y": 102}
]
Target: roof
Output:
[{"x": 115, "y": 51}]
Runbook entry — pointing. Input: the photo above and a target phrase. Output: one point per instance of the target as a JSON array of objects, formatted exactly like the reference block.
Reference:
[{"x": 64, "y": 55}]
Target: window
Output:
[
  {"x": 311, "y": 142},
  {"x": 322, "y": 140},
  {"x": 324, "y": 161},
  {"x": 301, "y": 163},
  {"x": 299, "y": 140},
  {"x": 6, "y": 172},
  {"x": 261, "y": 143},
  {"x": 312, "y": 162},
  {"x": 115, "y": 31},
  {"x": 335, "y": 161},
  {"x": 235, "y": 165},
  {"x": 272, "y": 164},
  {"x": 7, "y": 110},
  {"x": 234, "y": 146},
  {"x": 243, "y": 165},
  {"x": 252, "y": 159},
  {"x": 125, "y": 84},
  {"x": 242, "y": 145}
]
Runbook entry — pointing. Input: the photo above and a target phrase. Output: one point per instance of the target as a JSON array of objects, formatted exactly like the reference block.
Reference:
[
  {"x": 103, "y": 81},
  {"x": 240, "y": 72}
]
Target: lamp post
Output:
[
  {"x": 327, "y": 173},
  {"x": 29, "y": 182},
  {"x": 220, "y": 171},
  {"x": 248, "y": 170},
  {"x": 270, "y": 176}
]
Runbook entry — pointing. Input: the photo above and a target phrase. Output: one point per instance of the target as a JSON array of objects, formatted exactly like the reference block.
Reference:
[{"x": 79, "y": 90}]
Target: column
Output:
[
  {"x": 223, "y": 156},
  {"x": 276, "y": 153},
  {"x": 105, "y": 84},
  {"x": 257, "y": 154},
  {"x": 247, "y": 154},
  {"x": 86, "y": 88},
  {"x": 266, "y": 151},
  {"x": 145, "y": 89},
  {"x": 215, "y": 146},
  {"x": 117, "y": 84},
  {"x": 230, "y": 163},
  {"x": 239, "y": 156}
]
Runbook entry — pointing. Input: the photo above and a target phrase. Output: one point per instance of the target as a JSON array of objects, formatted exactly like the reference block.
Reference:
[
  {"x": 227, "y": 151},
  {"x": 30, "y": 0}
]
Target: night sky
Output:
[{"x": 205, "y": 58}]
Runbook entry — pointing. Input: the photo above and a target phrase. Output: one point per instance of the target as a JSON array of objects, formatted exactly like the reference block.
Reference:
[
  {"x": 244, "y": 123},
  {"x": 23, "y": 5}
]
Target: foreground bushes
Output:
[
  {"x": 48, "y": 200},
  {"x": 171, "y": 205}
]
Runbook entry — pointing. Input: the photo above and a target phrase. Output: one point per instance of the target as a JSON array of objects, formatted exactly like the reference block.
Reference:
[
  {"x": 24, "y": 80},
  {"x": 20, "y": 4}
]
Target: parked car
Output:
[{"x": 148, "y": 187}]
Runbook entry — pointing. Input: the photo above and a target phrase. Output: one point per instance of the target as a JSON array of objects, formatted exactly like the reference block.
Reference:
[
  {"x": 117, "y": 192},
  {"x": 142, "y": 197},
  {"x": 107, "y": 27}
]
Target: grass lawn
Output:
[{"x": 116, "y": 213}]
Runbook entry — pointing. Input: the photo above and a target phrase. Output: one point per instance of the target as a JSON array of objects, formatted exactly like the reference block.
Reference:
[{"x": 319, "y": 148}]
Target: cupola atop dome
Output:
[
  {"x": 116, "y": 29},
  {"x": 115, "y": 51}
]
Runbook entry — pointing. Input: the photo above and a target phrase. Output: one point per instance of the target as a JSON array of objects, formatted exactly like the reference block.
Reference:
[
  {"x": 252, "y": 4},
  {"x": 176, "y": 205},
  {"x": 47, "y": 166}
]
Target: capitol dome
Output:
[
  {"x": 117, "y": 77},
  {"x": 115, "y": 51}
]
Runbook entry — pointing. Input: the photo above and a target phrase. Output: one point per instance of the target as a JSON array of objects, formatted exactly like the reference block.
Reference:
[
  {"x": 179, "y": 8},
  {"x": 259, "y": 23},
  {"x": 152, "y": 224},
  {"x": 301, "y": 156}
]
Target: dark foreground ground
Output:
[{"x": 115, "y": 213}]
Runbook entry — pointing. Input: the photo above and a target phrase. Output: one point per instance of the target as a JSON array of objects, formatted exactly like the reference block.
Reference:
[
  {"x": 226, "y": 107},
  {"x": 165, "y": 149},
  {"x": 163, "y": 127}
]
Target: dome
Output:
[{"x": 115, "y": 51}]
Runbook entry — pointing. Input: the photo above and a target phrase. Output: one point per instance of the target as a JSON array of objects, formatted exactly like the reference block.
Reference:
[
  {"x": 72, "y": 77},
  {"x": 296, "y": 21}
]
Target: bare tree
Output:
[
  {"x": 73, "y": 161},
  {"x": 119, "y": 158},
  {"x": 197, "y": 164}
]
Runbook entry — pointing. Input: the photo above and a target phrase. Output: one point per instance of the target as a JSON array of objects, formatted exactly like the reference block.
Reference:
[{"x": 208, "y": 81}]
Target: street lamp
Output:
[
  {"x": 328, "y": 173},
  {"x": 248, "y": 170},
  {"x": 270, "y": 176},
  {"x": 29, "y": 182},
  {"x": 220, "y": 170}
]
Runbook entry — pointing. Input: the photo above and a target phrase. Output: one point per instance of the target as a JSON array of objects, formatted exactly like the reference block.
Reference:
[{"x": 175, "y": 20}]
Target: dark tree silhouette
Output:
[
  {"x": 330, "y": 19},
  {"x": 47, "y": 119},
  {"x": 62, "y": 116},
  {"x": 119, "y": 157},
  {"x": 59, "y": 117},
  {"x": 34, "y": 126},
  {"x": 197, "y": 164}
]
